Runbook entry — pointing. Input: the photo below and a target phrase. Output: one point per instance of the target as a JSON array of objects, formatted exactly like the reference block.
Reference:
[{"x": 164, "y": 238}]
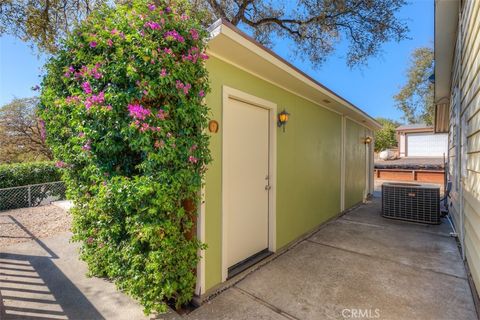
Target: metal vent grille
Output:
[{"x": 412, "y": 202}]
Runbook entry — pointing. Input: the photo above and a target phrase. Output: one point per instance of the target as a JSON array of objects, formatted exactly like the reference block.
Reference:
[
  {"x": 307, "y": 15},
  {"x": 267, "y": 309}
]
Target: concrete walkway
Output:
[
  {"x": 361, "y": 266},
  {"x": 43, "y": 279}
]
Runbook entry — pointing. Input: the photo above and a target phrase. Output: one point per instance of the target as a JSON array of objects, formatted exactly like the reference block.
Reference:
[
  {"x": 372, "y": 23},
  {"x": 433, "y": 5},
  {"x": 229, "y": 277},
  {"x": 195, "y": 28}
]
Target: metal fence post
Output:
[{"x": 29, "y": 196}]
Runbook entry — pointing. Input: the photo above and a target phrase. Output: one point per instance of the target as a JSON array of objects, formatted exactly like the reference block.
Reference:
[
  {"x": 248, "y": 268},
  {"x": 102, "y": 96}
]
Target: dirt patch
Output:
[{"x": 22, "y": 225}]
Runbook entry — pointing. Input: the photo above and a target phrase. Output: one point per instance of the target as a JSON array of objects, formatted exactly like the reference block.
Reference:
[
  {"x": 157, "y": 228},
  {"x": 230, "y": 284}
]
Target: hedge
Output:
[{"x": 20, "y": 174}]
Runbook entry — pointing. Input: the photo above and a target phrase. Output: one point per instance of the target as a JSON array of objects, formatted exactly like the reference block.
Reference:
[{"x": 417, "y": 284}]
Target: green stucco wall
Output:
[
  {"x": 355, "y": 163},
  {"x": 308, "y": 163}
]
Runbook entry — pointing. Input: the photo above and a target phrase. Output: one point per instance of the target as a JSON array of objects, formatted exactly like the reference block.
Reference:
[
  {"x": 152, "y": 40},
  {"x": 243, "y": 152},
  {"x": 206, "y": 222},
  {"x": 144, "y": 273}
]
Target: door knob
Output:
[{"x": 268, "y": 187}]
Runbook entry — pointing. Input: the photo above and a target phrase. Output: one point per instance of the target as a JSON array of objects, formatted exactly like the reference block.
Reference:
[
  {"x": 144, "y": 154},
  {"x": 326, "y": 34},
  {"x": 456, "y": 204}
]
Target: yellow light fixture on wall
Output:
[
  {"x": 368, "y": 140},
  {"x": 283, "y": 119}
]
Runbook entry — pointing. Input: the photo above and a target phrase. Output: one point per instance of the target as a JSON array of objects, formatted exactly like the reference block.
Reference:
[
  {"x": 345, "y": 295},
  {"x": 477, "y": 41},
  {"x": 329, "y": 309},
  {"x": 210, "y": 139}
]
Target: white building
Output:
[{"x": 419, "y": 140}]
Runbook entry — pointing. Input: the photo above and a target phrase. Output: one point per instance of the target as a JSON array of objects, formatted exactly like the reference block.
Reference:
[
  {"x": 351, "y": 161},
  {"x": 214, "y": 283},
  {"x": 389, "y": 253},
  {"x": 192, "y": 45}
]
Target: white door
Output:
[
  {"x": 427, "y": 145},
  {"x": 246, "y": 169}
]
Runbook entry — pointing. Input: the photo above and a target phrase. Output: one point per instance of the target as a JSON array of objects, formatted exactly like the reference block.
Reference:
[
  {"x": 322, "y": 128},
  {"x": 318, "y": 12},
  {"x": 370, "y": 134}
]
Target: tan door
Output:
[{"x": 246, "y": 187}]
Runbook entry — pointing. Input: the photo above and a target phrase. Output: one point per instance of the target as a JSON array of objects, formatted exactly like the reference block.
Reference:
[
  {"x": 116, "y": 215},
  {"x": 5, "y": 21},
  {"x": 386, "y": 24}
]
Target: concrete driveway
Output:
[{"x": 360, "y": 266}]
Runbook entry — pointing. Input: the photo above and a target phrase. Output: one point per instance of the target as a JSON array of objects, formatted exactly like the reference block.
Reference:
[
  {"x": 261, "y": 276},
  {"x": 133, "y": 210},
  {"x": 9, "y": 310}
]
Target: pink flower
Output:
[
  {"x": 94, "y": 100},
  {"x": 81, "y": 134},
  {"x": 163, "y": 73},
  {"x": 60, "y": 164},
  {"x": 88, "y": 103},
  {"x": 152, "y": 25},
  {"x": 87, "y": 146},
  {"x": 114, "y": 31},
  {"x": 173, "y": 35},
  {"x": 193, "y": 148},
  {"x": 144, "y": 127},
  {"x": 192, "y": 159},
  {"x": 184, "y": 17},
  {"x": 201, "y": 93},
  {"x": 94, "y": 71},
  {"x": 69, "y": 72},
  {"x": 187, "y": 88},
  {"x": 151, "y": 7},
  {"x": 194, "y": 34},
  {"x": 90, "y": 240},
  {"x": 86, "y": 87},
  {"x": 109, "y": 42},
  {"x": 138, "y": 112},
  {"x": 83, "y": 71},
  {"x": 161, "y": 114},
  {"x": 98, "y": 99},
  {"x": 72, "y": 99},
  {"x": 93, "y": 44}
]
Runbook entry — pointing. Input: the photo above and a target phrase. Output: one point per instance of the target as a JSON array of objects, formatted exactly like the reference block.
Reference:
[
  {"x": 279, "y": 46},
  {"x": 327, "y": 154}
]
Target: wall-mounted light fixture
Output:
[
  {"x": 283, "y": 119},
  {"x": 367, "y": 140}
]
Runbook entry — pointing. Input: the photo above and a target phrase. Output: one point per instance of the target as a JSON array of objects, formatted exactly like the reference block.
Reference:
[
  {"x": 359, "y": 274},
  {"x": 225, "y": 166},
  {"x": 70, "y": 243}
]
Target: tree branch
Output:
[
  {"x": 241, "y": 12},
  {"x": 218, "y": 8}
]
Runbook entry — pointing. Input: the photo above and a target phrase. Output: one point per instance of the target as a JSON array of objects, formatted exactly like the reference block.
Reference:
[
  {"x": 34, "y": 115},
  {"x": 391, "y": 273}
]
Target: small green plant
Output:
[
  {"x": 122, "y": 102},
  {"x": 386, "y": 137}
]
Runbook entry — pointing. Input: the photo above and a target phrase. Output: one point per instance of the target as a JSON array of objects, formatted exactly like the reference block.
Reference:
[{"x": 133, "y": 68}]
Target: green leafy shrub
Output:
[
  {"x": 386, "y": 137},
  {"x": 123, "y": 108},
  {"x": 24, "y": 173}
]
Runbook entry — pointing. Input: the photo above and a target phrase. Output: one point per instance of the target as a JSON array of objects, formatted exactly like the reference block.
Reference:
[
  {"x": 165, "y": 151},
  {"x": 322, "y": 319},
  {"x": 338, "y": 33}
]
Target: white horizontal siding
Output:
[{"x": 469, "y": 85}]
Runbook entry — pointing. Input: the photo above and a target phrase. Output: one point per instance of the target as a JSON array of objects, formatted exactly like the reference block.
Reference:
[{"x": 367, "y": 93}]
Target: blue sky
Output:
[{"x": 370, "y": 88}]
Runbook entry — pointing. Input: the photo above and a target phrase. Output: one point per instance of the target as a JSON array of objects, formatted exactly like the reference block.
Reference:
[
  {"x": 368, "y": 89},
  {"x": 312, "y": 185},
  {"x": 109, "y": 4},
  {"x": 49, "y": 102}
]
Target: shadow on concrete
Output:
[
  {"x": 34, "y": 238},
  {"x": 33, "y": 287}
]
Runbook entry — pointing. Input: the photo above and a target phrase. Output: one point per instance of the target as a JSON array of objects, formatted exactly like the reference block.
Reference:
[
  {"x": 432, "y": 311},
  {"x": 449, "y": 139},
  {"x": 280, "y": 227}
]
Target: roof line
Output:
[{"x": 225, "y": 22}]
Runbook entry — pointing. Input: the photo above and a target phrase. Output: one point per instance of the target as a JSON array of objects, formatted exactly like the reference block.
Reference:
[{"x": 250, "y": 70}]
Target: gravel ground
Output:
[{"x": 22, "y": 225}]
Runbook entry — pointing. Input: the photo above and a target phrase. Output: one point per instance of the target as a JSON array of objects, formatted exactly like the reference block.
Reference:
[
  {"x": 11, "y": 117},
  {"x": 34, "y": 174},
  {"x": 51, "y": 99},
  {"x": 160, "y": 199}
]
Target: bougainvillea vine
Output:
[{"x": 122, "y": 105}]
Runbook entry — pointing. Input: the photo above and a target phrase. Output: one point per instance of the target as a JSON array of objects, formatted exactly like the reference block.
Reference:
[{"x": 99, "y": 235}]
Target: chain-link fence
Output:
[{"x": 31, "y": 195}]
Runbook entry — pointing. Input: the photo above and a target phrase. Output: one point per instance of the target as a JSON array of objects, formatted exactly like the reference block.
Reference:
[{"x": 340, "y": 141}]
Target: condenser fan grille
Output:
[{"x": 412, "y": 202}]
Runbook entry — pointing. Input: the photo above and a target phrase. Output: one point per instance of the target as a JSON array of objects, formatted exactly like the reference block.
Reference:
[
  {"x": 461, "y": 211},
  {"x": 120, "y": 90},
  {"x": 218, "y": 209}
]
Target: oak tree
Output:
[
  {"x": 415, "y": 98},
  {"x": 315, "y": 27},
  {"x": 21, "y": 133}
]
